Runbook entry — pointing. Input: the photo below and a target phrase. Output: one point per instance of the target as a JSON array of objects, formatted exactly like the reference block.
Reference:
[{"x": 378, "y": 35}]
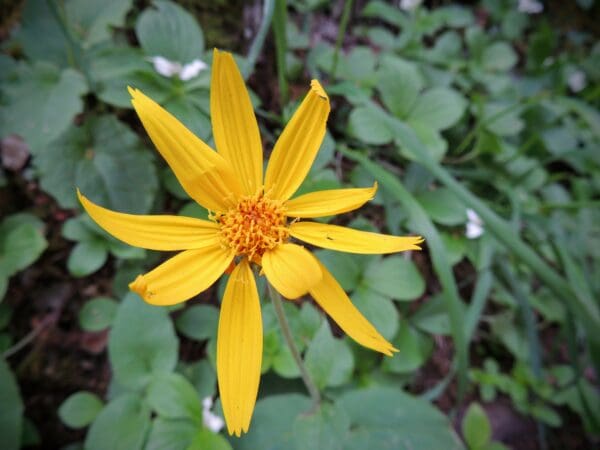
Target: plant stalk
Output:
[{"x": 315, "y": 395}]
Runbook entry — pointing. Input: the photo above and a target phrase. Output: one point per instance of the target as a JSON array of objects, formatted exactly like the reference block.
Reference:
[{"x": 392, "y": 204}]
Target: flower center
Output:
[{"x": 255, "y": 225}]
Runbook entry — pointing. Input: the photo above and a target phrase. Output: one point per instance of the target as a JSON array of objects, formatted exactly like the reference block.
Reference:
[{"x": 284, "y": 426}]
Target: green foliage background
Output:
[{"x": 449, "y": 108}]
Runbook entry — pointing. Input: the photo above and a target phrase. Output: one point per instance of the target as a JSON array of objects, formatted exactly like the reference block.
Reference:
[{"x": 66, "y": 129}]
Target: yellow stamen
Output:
[{"x": 255, "y": 225}]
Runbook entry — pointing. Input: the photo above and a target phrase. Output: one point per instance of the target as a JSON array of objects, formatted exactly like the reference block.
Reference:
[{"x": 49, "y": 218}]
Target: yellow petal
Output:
[
  {"x": 328, "y": 203},
  {"x": 239, "y": 349},
  {"x": 182, "y": 276},
  {"x": 202, "y": 172},
  {"x": 298, "y": 145},
  {"x": 352, "y": 241},
  {"x": 154, "y": 232},
  {"x": 233, "y": 122},
  {"x": 334, "y": 301},
  {"x": 291, "y": 269}
]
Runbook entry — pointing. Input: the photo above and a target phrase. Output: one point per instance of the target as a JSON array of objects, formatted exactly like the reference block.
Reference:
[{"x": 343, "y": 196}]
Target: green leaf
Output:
[
  {"x": 387, "y": 418},
  {"x": 346, "y": 269},
  {"x": 443, "y": 206},
  {"x": 20, "y": 245},
  {"x": 141, "y": 343},
  {"x": 329, "y": 360},
  {"x": 169, "y": 31},
  {"x": 399, "y": 84},
  {"x": 104, "y": 159},
  {"x": 414, "y": 350},
  {"x": 500, "y": 123},
  {"x": 202, "y": 376},
  {"x": 171, "y": 434},
  {"x": 172, "y": 396},
  {"x": 37, "y": 19},
  {"x": 87, "y": 257},
  {"x": 41, "y": 103},
  {"x": 206, "y": 439},
  {"x": 498, "y": 57},
  {"x": 439, "y": 108},
  {"x": 432, "y": 317},
  {"x": 395, "y": 277},
  {"x": 476, "y": 427},
  {"x": 97, "y": 314},
  {"x": 366, "y": 126},
  {"x": 11, "y": 413},
  {"x": 185, "y": 107},
  {"x": 121, "y": 425},
  {"x": 271, "y": 422},
  {"x": 92, "y": 21},
  {"x": 198, "y": 322},
  {"x": 321, "y": 430},
  {"x": 80, "y": 409},
  {"x": 378, "y": 310}
]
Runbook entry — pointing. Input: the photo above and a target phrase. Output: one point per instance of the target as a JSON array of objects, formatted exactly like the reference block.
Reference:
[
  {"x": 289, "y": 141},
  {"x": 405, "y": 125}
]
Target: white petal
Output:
[
  {"x": 473, "y": 230},
  {"x": 165, "y": 67},
  {"x": 577, "y": 81},
  {"x": 191, "y": 70},
  {"x": 473, "y": 217},
  {"x": 530, "y": 6},
  {"x": 213, "y": 422}
]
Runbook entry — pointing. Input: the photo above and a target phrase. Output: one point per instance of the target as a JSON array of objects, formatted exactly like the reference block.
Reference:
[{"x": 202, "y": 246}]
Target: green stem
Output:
[
  {"x": 287, "y": 335},
  {"x": 259, "y": 40},
  {"x": 341, "y": 34},
  {"x": 279, "y": 27}
]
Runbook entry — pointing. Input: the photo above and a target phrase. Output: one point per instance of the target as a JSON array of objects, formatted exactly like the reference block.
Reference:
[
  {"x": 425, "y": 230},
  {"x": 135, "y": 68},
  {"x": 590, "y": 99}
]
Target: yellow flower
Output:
[{"x": 252, "y": 222}]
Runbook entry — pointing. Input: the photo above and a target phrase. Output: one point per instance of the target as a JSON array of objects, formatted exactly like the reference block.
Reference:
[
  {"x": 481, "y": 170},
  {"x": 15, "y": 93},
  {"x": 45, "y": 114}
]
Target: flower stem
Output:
[{"x": 287, "y": 334}]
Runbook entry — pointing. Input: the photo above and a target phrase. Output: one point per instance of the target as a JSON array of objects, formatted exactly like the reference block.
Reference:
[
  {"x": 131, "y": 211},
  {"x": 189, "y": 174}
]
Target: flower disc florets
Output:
[{"x": 255, "y": 225}]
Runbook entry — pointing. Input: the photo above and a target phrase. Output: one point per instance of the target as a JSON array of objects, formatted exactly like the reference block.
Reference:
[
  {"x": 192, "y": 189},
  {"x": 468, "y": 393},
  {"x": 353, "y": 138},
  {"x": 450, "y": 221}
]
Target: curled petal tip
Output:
[
  {"x": 139, "y": 286},
  {"x": 318, "y": 89}
]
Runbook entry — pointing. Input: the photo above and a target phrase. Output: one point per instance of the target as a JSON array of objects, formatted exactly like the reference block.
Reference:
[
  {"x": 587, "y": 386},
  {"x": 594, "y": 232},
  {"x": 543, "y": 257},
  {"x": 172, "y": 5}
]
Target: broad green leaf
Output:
[
  {"x": 171, "y": 434},
  {"x": 498, "y": 119},
  {"x": 329, "y": 360},
  {"x": 20, "y": 246},
  {"x": 105, "y": 160},
  {"x": 414, "y": 350},
  {"x": 97, "y": 314},
  {"x": 141, "y": 343},
  {"x": 41, "y": 103},
  {"x": 202, "y": 376},
  {"x": 432, "y": 317},
  {"x": 399, "y": 84},
  {"x": 87, "y": 257},
  {"x": 363, "y": 124},
  {"x": 190, "y": 114},
  {"x": 358, "y": 65},
  {"x": 498, "y": 57},
  {"x": 431, "y": 138},
  {"x": 395, "y": 277},
  {"x": 476, "y": 427},
  {"x": 172, "y": 396},
  {"x": 11, "y": 413},
  {"x": 206, "y": 439},
  {"x": 387, "y": 418},
  {"x": 121, "y": 425},
  {"x": 38, "y": 19},
  {"x": 346, "y": 269},
  {"x": 378, "y": 309},
  {"x": 439, "y": 108},
  {"x": 168, "y": 30},
  {"x": 92, "y": 21},
  {"x": 198, "y": 322},
  {"x": 321, "y": 430},
  {"x": 271, "y": 423},
  {"x": 443, "y": 206},
  {"x": 80, "y": 409}
]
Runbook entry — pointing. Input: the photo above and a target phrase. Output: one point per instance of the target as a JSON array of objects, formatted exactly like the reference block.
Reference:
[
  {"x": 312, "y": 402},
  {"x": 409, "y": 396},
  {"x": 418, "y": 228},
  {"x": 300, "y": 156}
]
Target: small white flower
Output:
[
  {"x": 577, "y": 81},
  {"x": 530, "y": 6},
  {"x": 474, "y": 225},
  {"x": 191, "y": 70},
  {"x": 169, "y": 68},
  {"x": 211, "y": 421},
  {"x": 409, "y": 5}
]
